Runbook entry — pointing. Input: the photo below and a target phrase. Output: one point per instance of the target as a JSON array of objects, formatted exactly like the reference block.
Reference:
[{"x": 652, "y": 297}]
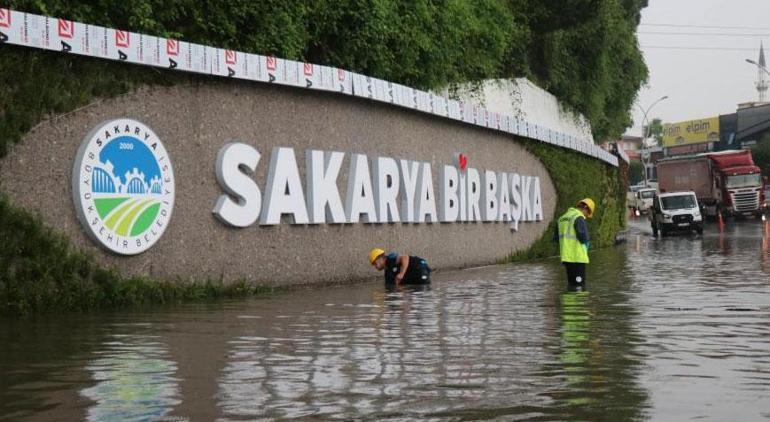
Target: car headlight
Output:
[{"x": 666, "y": 216}]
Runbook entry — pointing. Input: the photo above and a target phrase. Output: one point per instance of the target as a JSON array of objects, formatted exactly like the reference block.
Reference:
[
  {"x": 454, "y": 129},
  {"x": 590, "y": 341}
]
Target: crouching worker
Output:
[{"x": 400, "y": 268}]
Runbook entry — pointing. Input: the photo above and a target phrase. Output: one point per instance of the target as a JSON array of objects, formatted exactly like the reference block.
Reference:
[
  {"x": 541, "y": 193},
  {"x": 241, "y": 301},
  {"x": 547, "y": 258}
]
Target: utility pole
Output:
[
  {"x": 646, "y": 134},
  {"x": 762, "y": 72}
]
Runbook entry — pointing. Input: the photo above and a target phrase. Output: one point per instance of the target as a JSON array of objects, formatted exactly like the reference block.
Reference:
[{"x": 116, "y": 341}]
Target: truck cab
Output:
[
  {"x": 739, "y": 186},
  {"x": 741, "y": 191},
  {"x": 675, "y": 211}
]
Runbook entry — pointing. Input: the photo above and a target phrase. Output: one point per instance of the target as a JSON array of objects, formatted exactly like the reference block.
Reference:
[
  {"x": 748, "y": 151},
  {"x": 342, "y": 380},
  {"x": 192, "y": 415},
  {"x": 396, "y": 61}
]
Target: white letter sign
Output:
[
  {"x": 233, "y": 161},
  {"x": 284, "y": 189}
]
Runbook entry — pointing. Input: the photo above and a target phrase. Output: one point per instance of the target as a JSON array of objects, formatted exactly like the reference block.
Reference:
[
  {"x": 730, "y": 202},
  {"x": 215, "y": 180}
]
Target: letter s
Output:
[{"x": 234, "y": 162}]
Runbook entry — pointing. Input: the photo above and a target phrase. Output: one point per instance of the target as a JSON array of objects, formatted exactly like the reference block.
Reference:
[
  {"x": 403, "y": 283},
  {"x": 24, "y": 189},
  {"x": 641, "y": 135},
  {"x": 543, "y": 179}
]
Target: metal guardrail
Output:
[{"x": 56, "y": 34}]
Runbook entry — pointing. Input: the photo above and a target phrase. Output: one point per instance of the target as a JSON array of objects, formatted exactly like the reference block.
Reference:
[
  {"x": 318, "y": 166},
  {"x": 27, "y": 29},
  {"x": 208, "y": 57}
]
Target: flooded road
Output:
[{"x": 667, "y": 329}]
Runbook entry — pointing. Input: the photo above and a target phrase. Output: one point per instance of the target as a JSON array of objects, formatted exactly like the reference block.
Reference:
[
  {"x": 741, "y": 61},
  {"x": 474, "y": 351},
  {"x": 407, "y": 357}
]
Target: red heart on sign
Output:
[{"x": 463, "y": 160}]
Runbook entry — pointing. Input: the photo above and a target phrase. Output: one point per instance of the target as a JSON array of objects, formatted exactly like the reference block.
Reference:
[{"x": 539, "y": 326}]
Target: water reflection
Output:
[
  {"x": 765, "y": 254},
  {"x": 596, "y": 367},
  {"x": 134, "y": 380},
  {"x": 408, "y": 352},
  {"x": 670, "y": 329},
  {"x": 703, "y": 306},
  {"x": 575, "y": 336}
]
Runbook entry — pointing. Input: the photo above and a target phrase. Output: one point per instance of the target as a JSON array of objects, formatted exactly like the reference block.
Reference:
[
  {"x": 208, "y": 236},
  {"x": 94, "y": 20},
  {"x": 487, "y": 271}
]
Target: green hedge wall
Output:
[
  {"x": 583, "y": 51},
  {"x": 41, "y": 271},
  {"x": 576, "y": 177},
  {"x": 35, "y": 84}
]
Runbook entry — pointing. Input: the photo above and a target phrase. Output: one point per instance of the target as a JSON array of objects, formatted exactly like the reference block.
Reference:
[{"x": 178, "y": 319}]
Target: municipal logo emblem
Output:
[{"x": 123, "y": 186}]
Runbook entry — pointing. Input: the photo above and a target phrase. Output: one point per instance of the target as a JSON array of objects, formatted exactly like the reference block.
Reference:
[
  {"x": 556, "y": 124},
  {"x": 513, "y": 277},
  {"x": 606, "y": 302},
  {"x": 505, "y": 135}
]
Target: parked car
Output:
[
  {"x": 643, "y": 200},
  {"x": 675, "y": 211},
  {"x": 631, "y": 195}
]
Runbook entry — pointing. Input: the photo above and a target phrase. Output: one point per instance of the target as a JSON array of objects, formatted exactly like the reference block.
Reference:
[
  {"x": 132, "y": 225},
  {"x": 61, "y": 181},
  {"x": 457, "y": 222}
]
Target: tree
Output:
[
  {"x": 761, "y": 155},
  {"x": 635, "y": 173},
  {"x": 655, "y": 130},
  {"x": 585, "y": 52}
]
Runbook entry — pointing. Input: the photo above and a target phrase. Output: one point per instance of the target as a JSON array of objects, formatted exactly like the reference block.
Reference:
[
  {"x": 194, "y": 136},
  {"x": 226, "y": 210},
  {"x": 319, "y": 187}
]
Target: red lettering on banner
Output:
[
  {"x": 271, "y": 62},
  {"x": 172, "y": 47},
  {"x": 66, "y": 28},
  {"x": 5, "y": 18},
  {"x": 308, "y": 69},
  {"x": 230, "y": 57},
  {"x": 122, "y": 38}
]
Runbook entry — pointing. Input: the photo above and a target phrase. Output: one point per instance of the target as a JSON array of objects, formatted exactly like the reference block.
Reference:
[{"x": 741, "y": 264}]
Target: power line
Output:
[
  {"x": 667, "y": 47},
  {"x": 720, "y": 34},
  {"x": 674, "y": 25}
]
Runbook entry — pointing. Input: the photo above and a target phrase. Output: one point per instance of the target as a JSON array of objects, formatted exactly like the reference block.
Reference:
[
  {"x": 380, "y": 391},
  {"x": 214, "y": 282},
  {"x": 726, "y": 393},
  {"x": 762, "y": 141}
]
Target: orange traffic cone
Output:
[{"x": 721, "y": 221}]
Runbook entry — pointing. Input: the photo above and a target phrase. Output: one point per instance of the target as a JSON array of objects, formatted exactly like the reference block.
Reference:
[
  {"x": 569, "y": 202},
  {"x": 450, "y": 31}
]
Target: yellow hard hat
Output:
[
  {"x": 590, "y": 204},
  {"x": 374, "y": 254}
]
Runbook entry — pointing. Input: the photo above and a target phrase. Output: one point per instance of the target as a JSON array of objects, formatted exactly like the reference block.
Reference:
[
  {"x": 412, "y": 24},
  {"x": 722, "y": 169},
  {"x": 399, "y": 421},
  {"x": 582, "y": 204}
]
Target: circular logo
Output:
[{"x": 123, "y": 186}]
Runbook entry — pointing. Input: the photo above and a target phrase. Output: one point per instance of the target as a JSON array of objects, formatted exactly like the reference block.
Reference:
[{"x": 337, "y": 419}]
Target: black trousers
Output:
[
  {"x": 576, "y": 272},
  {"x": 416, "y": 274}
]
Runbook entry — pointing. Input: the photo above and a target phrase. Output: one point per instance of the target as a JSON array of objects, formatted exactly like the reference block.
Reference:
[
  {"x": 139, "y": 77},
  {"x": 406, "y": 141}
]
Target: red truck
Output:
[{"x": 725, "y": 182}]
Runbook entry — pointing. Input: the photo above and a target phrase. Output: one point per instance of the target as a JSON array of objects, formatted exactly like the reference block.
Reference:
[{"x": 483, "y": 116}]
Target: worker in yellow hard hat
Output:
[
  {"x": 400, "y": 268},
  {"x": 574, "y": 240}
]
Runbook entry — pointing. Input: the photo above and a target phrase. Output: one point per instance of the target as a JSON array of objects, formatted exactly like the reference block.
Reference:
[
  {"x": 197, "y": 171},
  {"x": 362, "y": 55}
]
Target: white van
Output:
[
  {"x": 643, "y": 199},
  {"x": 675, "y": 211}
]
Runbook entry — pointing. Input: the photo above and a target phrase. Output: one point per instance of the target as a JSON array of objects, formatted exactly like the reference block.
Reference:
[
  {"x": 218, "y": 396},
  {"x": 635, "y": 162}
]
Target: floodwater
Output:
[{"x": 668, "y": 329}]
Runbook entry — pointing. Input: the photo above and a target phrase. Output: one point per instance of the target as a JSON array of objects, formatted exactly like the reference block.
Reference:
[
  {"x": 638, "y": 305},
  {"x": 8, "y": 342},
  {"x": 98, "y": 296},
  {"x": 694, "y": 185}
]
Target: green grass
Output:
[
  {"x": 105, "y": 205},
  {"x": 145, "y": 219}
]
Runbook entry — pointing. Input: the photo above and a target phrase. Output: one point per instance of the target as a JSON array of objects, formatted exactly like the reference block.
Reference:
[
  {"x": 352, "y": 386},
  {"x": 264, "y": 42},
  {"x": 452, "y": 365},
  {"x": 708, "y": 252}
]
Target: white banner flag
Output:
[
  {"x": 344, "y": 81},
  {"x": 422, "y": 101},
  {"x": 439, "y": 105},
  {"x": 362, "y": 86},
  {"x": 57, "y": 34},
  {"x": 11, "y": 26},
  {"x": 291, "y": 71},
  {"x": 149, "y": 50}
]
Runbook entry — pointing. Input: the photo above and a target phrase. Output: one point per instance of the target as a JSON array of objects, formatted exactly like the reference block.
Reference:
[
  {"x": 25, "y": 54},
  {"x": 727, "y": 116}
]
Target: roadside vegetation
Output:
[
  {"x": 576, "y": 177},
  {"x": 585, "y": 52},
  {"x": 761, "y": 154},
  {"x": 41, "y": 271}
]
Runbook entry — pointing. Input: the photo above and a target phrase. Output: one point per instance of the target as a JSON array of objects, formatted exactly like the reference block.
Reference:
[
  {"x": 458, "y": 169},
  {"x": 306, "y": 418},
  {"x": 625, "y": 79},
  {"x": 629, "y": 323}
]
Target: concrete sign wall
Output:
[
  {"x": 276, "y": 184},
  {"x": 281, "y": 172}
]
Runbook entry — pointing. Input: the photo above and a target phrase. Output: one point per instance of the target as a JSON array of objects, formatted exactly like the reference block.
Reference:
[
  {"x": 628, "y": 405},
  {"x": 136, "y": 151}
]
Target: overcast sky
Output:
[{"x": 705, "y": 75}]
